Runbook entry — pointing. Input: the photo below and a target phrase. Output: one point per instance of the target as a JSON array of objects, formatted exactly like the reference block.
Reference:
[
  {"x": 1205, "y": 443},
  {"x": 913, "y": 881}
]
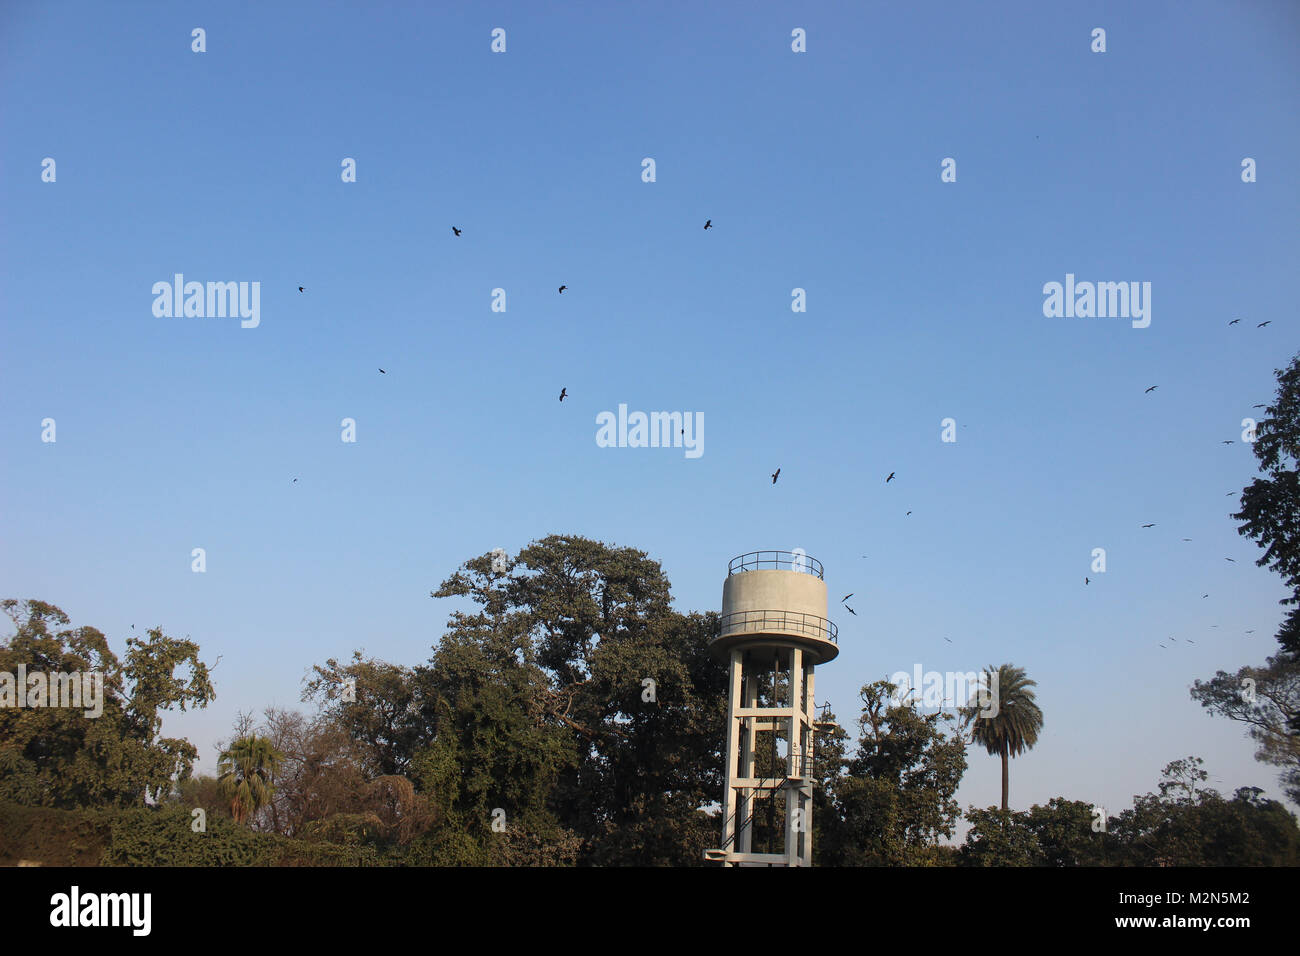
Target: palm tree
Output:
[
  {"x": 246, "y": 772},
  {"x": 1014, "y": 727}
]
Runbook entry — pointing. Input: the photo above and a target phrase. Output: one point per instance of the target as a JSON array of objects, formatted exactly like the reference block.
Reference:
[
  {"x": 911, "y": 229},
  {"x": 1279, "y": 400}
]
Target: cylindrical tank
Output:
[{"x": 780, "y": 596}]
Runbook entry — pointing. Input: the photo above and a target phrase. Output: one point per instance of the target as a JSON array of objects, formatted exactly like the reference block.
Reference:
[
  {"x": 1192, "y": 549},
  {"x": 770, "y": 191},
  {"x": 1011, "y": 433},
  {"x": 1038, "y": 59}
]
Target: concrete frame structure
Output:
[{"x": 774, "y": 632}]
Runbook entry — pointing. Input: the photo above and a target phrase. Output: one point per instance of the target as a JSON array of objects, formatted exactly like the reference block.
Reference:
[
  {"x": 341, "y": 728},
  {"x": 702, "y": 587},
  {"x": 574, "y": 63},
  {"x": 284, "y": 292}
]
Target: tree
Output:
[
  {"x": 1064, "y": 835},
  {"x": 1187, "y": 824},
  {"x": 999, "y": 837},
  {"x": 59, "y": 756},
  {"x": 1267, "y": 700},
  {"x": 245, "y": 775},
  {"x": 1015, "y": 727},
  {"x": 896, "y": 798},
  {"x": 570, "y": 631},
  {"x": 1270, "y": 506},
  {"x": 384, "y": 708}
]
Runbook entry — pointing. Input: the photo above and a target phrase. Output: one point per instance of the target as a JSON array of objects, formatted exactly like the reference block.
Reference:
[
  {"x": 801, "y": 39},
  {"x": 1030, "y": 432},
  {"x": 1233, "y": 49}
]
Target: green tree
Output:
[
  {"x": 245, "y": 775},
  {"x": 1267, "y": 700},
  {"x": 1064, "y": 835},
  {"x": 58, "y": 756},
  {"x": 1270, "y": 506},
  {"x": 895, "y": 799},
  {"x": 1015, "y": 727},
  {"x": 574, "y": 629},
  {"x": 1187, "y": 824},
  {"x": 999, "y": 837}
]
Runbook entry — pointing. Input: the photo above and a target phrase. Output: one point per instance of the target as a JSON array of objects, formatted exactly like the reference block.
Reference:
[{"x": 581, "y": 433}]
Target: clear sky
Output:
[{"x": 820, "y": 171}]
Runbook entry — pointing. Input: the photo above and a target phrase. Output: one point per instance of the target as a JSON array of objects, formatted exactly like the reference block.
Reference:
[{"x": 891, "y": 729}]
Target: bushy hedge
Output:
[{"x": 146, "y": 836}]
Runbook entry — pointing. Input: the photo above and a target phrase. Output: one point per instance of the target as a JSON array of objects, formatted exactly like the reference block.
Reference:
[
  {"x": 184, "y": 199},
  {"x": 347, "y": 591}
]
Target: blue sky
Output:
[{"x": 820, "y": 171}]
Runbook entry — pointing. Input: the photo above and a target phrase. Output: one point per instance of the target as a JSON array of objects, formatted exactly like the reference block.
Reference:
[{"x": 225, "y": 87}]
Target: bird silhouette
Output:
[
  {"x": 847, "y": 596},
  {"x": 1233, "y": 560},
  {"x": 948, "y": 639},
  {"x": 1162, "y": 645},
  {"x": 382, "y": 372},
  {"x": 890, "y": 478},
  {"x": 1225, "y": 443},
  {"x": 1152, "y": 525},
  {"x": 1204, "y": 596},
  {"x": 1229, "y": 494},
  {"x": 1085, "y": 580},
  {"x": 455, "y": 230},
  {"x": 1190, "y": 641},
  {"x": 907, "y": 513},
  {"x": 300, "y": 289},
  {"x": 708, "y": 224},
  {"x": 851, "y": 611},
  {"x": 295, "y": 481},
  {"x": 1187, "y": 539},
  {"x": 1250, "y": 632},
  {"x": 1151, "y": 389},
  {"x": 775, "y": 474},
  {"x": 1262, "y": 324},
  {"x": 563, "y": 392},
  {"x": 1234, "y": 321},
  {"x": 562, "y": 288}
]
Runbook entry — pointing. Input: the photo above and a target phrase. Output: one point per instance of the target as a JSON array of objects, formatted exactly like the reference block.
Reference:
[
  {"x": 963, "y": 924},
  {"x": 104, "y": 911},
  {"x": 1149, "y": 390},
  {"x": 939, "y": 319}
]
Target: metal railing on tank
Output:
[
  {"x": 775, "y": 561},
  {"x": 779, "y": 622}
]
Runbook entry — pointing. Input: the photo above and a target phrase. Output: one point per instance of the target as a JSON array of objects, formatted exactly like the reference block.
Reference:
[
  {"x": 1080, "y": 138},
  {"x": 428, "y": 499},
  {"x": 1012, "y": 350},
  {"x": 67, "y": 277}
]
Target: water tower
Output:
[{"x": 774, "y": 632}]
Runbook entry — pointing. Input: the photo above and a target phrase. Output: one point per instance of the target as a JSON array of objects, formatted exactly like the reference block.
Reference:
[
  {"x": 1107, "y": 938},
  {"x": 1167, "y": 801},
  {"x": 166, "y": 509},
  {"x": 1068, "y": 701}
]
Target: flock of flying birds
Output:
[
  {"x": 708, "y": 224},
  {"x": 844, "y": 600}
]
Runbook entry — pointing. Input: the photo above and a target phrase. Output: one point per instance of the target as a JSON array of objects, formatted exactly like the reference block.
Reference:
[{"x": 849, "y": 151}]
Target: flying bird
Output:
[
  {"x": 300, "y": 288},
  {"x": 708, "y": 224},
  {"x": 1190, "y": 641},
  {"x": 455, "y": 230},
  {"x": 1085, "y": 580},
  {"x": 1152, "y": 525},
  {"x": 1262, "y": 324},
  {"x": 1234, "y": 321},
  {"x": 847, "y": 596},
  {"x": 1225, "y": 443},
  {"x": 948, "y": 639},
  {"x": 1187, "y": 539},
  {"x": 775, "y": 474},
  {"x": 1203, "y": 596},
  {"x": 1259, "y": 406},
  {"x": 295, "y": 481},
  {"x": 563, "y": 392},
  {"x": 1233, "y": 560},
  {"x": 907, "y": 513},
  {"x": 1151, "y": 389},
  {"x": 851, "y": 611},
  {"x": 562, "y": 288},
  {"x": 890, "y": 478},
  {"x": 382, "y": 372},
  {"x": 1248, "y": 632}
]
